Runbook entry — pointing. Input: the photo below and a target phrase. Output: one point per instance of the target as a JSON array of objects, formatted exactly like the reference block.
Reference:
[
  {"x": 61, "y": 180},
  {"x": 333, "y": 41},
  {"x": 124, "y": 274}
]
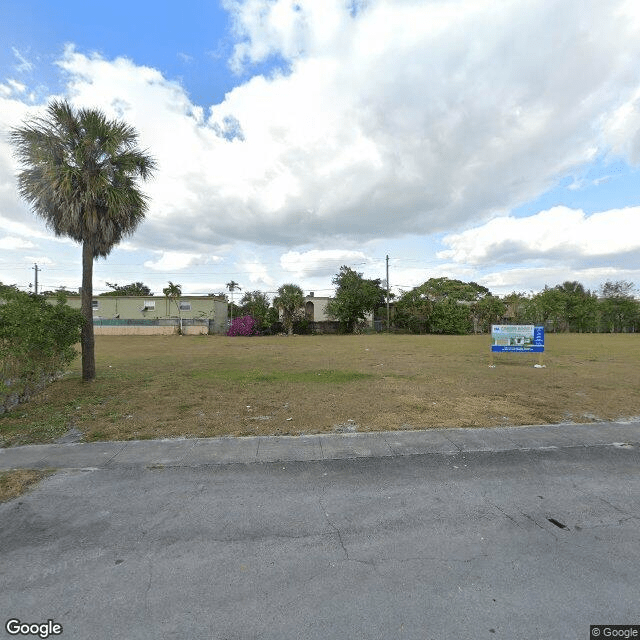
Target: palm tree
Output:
[
  {"x": 79, "y": 173},
  {"x": 232, "y": 286},
  {"x": 289, "y": 300},
  {"x": 173, "y": 292}
]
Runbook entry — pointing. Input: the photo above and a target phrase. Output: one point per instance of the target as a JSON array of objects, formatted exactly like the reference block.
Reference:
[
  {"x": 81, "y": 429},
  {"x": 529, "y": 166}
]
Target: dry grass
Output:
[
  {"x": 162, "y": 386},
  {"x": 15, "y": 483}
]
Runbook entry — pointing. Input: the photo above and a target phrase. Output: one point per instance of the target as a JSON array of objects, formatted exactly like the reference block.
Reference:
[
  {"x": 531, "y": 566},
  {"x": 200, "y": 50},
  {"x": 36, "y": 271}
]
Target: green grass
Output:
[
  {"x": 289, "y": 377},
  {"x": 164, "y": 386}
]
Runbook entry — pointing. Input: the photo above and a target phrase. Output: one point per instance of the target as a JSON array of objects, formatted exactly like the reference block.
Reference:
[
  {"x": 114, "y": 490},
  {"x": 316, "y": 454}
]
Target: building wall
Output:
[
  {"x": 154, "y": 307},
  {"x": 166, "y": 330},
  {"x": 315, "y": 309}
]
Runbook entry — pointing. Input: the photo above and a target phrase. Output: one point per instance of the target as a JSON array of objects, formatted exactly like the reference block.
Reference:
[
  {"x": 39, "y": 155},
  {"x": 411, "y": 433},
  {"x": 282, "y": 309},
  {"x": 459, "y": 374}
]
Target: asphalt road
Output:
[{"x": 516, "y": 543}]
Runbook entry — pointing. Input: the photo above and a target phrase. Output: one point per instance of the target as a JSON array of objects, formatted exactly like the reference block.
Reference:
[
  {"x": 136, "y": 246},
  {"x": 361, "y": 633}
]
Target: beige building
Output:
[
  {"x": 315, "y": 309},
  {"x": 156, "y": 314}
]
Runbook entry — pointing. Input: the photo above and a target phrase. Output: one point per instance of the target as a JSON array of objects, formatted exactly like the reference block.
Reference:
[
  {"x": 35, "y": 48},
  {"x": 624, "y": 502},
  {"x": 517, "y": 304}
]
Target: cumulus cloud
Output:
[
  {"x": 257, "y": 272},
  {"x": 176, "y": 260},
  {"x": 12, "y": 112},
  {"x": 31, "y": 228},
  {"x": 11, "y": 243},
  {"x": 40, "y": 260},
  {"x": 12, "y": 87},
  {"x": 559, "y": 232},
  {"x": 534, "y": 279},
  {"x": 384, "y": 119},
  {"x": 393, "y": 118},
  {"x": 319, "y": 262}
]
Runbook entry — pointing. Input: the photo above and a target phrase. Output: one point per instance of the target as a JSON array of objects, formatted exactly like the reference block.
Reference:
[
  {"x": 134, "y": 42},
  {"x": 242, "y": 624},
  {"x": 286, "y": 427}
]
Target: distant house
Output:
[
  {"x": 118, "y": 315},
  {"x": 315, "y": 310}
]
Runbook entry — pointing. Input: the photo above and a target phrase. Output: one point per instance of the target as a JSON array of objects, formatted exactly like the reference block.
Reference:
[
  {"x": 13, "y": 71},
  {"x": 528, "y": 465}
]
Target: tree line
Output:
[
  {"x": 450, "y": 306},
  {"x": 437, "y": 306},
  {"x": 453, "y": 307},
  {"x": 442, "y": 305}
]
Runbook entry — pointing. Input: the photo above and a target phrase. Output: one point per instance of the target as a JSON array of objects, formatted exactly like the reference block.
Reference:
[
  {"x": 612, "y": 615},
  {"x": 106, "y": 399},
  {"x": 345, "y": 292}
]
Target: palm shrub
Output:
[
  {"x": 290, "y": 301},
  {"x": 173, "y": 292}
]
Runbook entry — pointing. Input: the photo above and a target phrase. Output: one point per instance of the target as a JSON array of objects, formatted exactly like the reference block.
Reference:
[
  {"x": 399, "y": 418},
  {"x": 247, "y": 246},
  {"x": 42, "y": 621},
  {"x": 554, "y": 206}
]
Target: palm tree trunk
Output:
[{"x": 86, "y": 337}]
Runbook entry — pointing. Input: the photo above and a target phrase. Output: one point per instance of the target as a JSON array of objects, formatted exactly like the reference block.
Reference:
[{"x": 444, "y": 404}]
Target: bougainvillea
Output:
[{"x": 243, "y": 326}]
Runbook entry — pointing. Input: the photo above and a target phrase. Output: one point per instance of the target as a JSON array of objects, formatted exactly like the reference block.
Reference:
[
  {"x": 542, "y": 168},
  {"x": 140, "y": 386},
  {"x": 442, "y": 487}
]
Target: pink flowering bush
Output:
[{"x": 243, "y": 326}]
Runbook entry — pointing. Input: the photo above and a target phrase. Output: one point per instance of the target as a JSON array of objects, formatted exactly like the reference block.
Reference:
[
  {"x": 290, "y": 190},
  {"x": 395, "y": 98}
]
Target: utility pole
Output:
[
  {"x": 387, "y": 293},
  {"x": 35, "y": 268}
]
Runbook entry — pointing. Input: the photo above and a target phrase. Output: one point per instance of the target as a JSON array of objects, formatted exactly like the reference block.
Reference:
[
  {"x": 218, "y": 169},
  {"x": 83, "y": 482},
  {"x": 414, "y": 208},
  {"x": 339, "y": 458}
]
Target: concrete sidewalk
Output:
[{"x": 229, "y": 450}]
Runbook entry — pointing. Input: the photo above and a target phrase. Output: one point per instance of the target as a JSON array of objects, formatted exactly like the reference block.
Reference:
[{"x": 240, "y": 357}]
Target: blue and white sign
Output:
[{"x": 525, "y": 338}]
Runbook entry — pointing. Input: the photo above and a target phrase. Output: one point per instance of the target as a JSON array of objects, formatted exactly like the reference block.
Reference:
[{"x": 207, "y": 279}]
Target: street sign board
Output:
[{"x": 525, "y": 338}]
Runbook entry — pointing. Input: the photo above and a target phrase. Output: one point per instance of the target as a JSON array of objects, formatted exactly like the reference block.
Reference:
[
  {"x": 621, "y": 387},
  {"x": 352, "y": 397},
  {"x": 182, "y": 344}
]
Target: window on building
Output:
[
  {"x": 149, "y": 304},
  {"x": 185, "y": 306},
  {"x": 94, "y": 304}
]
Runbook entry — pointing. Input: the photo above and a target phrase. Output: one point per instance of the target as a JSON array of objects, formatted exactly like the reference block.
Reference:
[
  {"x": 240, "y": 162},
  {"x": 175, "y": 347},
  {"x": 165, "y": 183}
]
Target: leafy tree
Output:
[
  {"x": 413, "y": 310},
  {"x": 133, "y": 289},
  {"x": 289, "y": 301},
  {"x": 37, "y": 341},
  {"x": 580, "y": 307},
  {"x": 547, "y": 308},
  {"x": 487, "y": 311},
  {"x": 355, "y": 297},
  {"x": 438, "y": 289},
  {"x": 450, "y": 317},
  {"x": 80, "y": 174},
  {"x": 443, "y": 305},
  {"x": 516, "y": 305},
  {"x": 619, "y": 310},
  {"x": 256, "y": 304},
  {"x": 173, "y": 292},
  {"x": 49, "y": 293},
  {"x": 617, "y": 289}
]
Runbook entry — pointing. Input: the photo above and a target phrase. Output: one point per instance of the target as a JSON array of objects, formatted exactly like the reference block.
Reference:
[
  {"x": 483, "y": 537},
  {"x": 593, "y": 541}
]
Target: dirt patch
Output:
[
  {"x": 202, "y": 386},
  {"x": 15, "y": 483}
]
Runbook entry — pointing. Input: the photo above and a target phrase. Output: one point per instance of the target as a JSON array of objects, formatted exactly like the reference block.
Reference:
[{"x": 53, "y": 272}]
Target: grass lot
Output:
[{"x": 163, "y": 386}]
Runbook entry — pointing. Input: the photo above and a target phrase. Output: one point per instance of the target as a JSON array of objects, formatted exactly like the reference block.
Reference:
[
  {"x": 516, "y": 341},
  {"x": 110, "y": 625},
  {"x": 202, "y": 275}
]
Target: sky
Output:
[{"x": 495, "y": 142}]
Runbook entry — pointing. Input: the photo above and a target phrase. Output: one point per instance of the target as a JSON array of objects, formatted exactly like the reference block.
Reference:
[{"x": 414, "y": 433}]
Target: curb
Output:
[{"x": 257, "y": 449}]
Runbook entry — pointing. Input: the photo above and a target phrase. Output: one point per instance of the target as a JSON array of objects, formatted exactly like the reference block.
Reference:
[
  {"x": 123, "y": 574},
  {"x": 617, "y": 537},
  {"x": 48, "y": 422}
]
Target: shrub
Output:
[
  {"x": 243, "y": 326},
  {"x": 36, "y": 342},
  {"x": 302, "y": 327},
  {"x": 274, "y": 329}
]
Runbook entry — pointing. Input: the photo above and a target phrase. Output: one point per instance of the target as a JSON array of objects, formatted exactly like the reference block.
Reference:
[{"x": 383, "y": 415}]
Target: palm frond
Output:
[{"x": 80, "y": 173}]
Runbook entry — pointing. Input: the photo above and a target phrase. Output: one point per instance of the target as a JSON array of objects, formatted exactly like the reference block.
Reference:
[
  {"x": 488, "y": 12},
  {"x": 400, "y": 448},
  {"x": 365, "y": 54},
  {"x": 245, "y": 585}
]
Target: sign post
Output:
[{"x": 517, "y": 338}]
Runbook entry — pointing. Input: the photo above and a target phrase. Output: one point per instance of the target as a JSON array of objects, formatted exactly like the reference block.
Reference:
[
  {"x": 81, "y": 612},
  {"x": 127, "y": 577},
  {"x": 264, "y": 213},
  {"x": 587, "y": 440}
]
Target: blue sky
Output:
[
  {"x": 494, "y": 142},
  {"x": 189, "y": 41}
]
